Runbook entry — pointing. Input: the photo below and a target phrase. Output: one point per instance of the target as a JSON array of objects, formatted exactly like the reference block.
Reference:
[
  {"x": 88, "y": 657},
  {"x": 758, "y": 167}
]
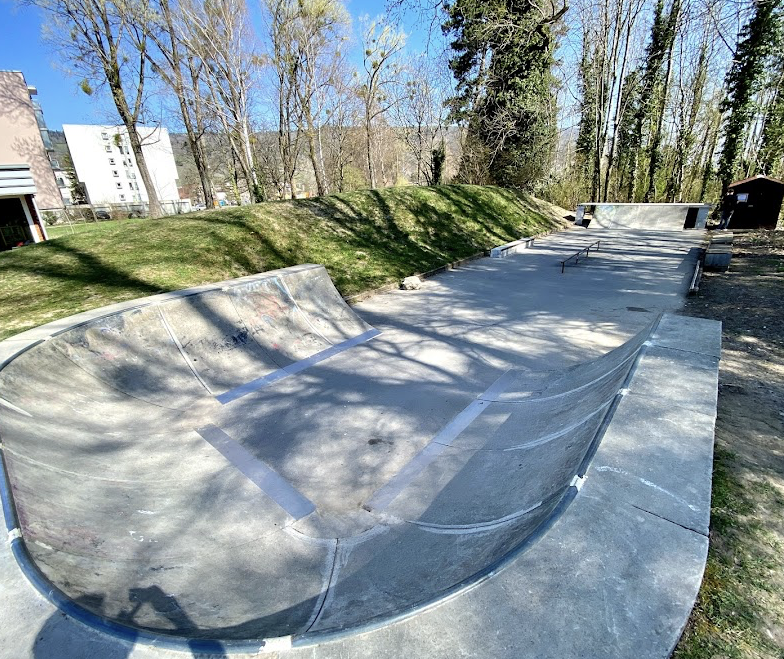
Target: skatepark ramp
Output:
[
  {"x": 655, "y": 217},
  {"x": 164, "y": 475}
]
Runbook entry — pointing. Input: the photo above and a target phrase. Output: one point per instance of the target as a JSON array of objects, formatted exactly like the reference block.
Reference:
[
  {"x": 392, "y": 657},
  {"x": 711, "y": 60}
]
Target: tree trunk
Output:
[
  {"x": 313, "y": 154},
  {"x": 154, "y": 204},
  {"x": 194, "y": 136},
  {"x": 155, "y": 209},
  {"x": 197, "y": 145},
  {"x": 708, "y": 168},
  {"x": 369, "y": 144},
  {"x": 655, "y": 142},
  {"x": 320, "y": 165},
  {"x": 618, "y": 109}
]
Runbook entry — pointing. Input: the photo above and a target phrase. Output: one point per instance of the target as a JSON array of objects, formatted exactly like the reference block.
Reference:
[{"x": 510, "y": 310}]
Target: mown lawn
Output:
[{"x": 365, "y": 239}]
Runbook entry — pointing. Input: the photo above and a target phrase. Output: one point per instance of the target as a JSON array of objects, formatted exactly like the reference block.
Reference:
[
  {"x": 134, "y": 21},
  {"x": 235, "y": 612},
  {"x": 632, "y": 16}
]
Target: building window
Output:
[
  {"x": 122, "y": 197},
  {"x": 105, "y": 136},
  {"x": 111, "y": 161},
  {"x": 115, "y": 173},
  {"x": 108, "y": 148},
  {"x": 60, "y": 182},
  {"x": 119, "y": 185},
  {"x": 55, "y": 164}
]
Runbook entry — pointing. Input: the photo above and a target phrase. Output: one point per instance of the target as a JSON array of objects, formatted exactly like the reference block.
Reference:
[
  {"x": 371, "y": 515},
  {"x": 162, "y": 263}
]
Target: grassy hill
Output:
[{"x": 365, "y": 239}]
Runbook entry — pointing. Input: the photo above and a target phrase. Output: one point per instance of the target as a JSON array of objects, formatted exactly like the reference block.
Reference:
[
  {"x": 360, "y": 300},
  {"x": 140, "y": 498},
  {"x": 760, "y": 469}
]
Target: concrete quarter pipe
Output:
[{"x": 166, "y": 475}]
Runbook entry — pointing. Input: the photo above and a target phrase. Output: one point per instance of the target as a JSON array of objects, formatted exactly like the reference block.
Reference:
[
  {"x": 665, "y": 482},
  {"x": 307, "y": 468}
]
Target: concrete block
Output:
[
  {"x": 507, "y": 249},
  {"x": 689, "y": 334},
  {"x": 722, "y": 237},
  {"x": 657, "y": 458},
  {"x": 718, "y": 257}
]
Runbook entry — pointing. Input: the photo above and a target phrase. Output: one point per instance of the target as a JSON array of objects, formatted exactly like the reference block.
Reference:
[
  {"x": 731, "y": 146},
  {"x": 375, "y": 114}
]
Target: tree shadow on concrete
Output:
[{"x": 62, "y": 638}]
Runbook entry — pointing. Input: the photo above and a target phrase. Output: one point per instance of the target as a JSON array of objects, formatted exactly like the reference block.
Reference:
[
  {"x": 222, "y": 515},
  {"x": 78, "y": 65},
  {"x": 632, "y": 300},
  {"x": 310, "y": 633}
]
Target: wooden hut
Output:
[{"x": 757, "y": 202}]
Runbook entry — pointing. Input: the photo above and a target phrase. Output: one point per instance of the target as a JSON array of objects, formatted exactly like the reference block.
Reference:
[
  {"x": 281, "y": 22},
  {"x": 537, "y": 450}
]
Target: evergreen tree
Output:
[
  {"x": 744, "y": 79},
  {"x": 652, "y": 97},
  {"x": 502, "y": 61},
  {"x": 587, "y": 131},
  {"x": 659, "y": 91},
  {"x": 629, "y": 138},
  {"x": 771, "y": 155}
]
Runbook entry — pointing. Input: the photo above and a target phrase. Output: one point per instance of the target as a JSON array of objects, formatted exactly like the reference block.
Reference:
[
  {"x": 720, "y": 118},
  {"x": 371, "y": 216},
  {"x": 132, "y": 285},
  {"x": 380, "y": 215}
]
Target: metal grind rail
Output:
[{"x": 576, "y": 256}]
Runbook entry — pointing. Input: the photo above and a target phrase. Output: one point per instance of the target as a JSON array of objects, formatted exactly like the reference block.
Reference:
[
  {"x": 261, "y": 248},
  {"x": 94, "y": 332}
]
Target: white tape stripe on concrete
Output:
[
  {"x": 384, "y": 496},
  {"x": 11, "y": 406},
  {"x": 292, "y": 369},
  {"x": 262, "y": 475}
]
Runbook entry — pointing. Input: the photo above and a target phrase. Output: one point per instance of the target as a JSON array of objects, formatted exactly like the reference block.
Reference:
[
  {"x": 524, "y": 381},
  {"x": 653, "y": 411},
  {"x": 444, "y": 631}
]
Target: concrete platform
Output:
[
  {"x": 255, "y": 460},
  {"x": 646, "y": 216}
]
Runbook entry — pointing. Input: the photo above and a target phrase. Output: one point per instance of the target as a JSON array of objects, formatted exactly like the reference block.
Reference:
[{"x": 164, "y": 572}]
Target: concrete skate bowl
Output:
[{"x": 156, "y": 488}]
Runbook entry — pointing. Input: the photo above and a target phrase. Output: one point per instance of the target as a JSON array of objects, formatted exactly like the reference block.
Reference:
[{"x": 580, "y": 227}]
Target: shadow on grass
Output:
[
  {"x": 90, "y": 270},
  {"x": 365, "y": 239}
]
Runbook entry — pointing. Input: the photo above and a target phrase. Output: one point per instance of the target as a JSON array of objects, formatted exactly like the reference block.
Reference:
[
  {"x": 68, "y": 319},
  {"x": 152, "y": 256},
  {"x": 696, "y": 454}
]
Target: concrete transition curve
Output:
[{"x": 156, "y": 483}]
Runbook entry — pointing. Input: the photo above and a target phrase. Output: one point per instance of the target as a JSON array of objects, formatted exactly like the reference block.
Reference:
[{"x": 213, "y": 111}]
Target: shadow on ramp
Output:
[{"x": 141, "y": 520}]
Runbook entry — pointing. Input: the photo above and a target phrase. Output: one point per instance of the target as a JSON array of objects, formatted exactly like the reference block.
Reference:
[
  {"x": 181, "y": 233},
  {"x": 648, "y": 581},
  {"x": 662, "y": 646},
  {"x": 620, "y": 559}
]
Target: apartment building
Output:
[
  {"x": 27, "y": 183},
  {"x": 105, "y": 164}
]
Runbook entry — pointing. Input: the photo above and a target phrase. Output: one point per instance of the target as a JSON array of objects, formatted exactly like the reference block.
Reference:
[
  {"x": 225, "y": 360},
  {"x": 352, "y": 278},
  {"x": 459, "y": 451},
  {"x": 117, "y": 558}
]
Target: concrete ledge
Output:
[
  {"x": 502, "y": 251},
  {"x": 718, "y": 257},
  {"x": 722, "y": 236}
]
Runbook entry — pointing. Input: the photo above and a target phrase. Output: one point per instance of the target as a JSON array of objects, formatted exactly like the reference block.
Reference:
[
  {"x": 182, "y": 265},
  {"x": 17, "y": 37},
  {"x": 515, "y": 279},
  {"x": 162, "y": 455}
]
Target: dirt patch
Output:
[{"x": 740, "y": 609}]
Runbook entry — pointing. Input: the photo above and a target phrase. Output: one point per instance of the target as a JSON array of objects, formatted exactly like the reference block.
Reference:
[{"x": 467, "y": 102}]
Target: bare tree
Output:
[
  {"x": 689, "y": 90},
  {"x": 181, "y": 71},
  {"x": 422, "y": 112},
  {"x": 343, "y": 115},
  {"x": 219, "y": 34},
  {"x": 107, "y": 48},
  {"x": 609, "y": 34},
  {"x": 281, "y": 19},
  {"x": 381, "y": 45},
  {"x": 320, "y": 30}
]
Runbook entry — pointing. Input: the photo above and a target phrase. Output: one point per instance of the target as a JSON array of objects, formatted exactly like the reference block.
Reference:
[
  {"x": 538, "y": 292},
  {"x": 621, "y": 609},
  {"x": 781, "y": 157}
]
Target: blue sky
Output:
[{"x": 22, "y": 49}]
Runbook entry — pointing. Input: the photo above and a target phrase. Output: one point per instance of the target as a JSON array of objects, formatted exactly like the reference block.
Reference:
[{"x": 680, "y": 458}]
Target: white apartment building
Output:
[{"x": 105, "y": 164}]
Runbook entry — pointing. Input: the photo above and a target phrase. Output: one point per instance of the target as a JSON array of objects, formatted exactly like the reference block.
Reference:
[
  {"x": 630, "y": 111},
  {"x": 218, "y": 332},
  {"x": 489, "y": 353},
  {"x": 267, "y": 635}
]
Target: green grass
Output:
[
  {"x": 726, "y": 620},
  {"x": 365, "y": 239}
]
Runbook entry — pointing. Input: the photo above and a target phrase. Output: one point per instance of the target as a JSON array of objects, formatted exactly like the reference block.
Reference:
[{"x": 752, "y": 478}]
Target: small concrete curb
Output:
[{"x": 388, "y": 288}]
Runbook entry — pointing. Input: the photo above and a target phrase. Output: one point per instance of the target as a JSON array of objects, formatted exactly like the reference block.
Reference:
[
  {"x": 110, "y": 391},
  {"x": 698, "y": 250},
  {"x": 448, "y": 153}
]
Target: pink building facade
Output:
[{"x": 27, "y": 181}]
